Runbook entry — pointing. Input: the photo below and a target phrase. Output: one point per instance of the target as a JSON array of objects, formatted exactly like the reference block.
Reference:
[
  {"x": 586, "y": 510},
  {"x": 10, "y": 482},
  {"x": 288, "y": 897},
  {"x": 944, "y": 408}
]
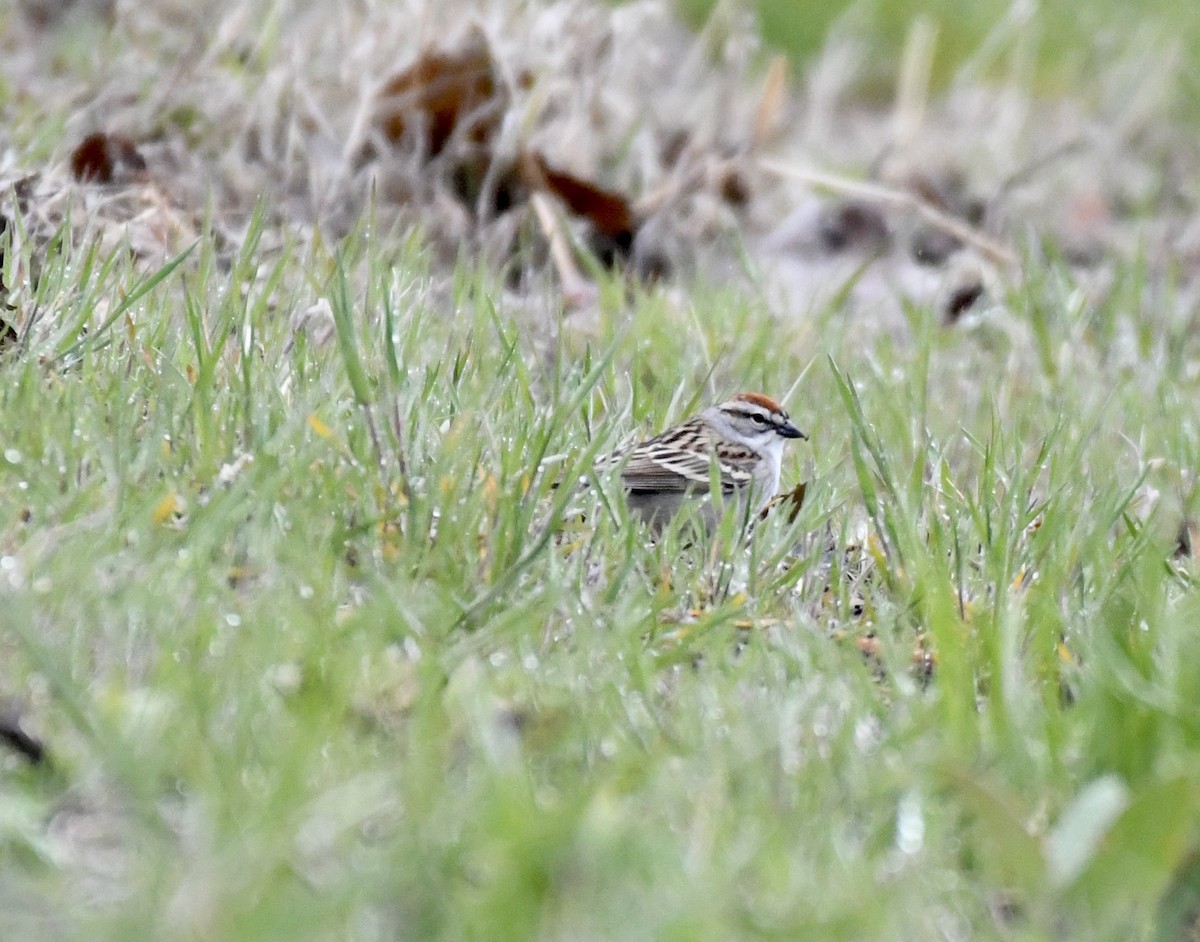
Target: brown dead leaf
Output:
[
  {"x": 732, "y": 184},
  {"x": 609, "y": 213},
  {"x": 961, "y": 299},
  {"x": 107, "y": 158},
  {"x": 444, "y": 93},
  {"x": 793, "y": 498}
]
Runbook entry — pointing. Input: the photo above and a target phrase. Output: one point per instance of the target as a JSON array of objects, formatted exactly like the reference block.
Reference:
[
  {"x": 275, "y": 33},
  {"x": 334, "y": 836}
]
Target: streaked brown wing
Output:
[
  {"x": 659, "y": 466},
  {"x": 652, "y": 470}
]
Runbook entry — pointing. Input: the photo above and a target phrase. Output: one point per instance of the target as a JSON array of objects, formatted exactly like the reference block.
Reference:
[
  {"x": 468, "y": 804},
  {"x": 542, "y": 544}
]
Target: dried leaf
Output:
[
  {"x": 609, "y": 213},
  {"x": 107, "y": 158},
  {"x": 732, "y": 184},
  {"x": 961, "y": 299},
  {"x": 443, "y": 92},
  {"x": 793, "y": 498}
]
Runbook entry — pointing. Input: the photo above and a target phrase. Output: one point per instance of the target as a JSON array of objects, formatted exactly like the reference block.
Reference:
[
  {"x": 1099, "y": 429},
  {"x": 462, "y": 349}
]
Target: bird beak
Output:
[{"x": 787, "y": 430}]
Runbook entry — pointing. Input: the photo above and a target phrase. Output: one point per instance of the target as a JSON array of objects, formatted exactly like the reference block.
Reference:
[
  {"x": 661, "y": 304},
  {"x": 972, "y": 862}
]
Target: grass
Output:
[
  {"x": 320, "y": 653},
  {"x": 321, "y": 650}
]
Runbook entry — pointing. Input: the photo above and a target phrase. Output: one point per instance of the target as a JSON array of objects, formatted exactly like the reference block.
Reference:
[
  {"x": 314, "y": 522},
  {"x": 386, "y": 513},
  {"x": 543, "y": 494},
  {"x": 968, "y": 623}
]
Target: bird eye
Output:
[{"x": 758, "y": 419}]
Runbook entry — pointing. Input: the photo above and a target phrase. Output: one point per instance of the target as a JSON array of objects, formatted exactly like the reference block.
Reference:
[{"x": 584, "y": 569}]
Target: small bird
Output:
[{"x": 744, "y": 437}]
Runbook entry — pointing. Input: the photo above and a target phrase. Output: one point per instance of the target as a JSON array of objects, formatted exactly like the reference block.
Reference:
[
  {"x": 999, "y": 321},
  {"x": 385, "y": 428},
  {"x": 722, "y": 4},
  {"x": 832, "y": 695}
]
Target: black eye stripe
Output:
[{"x": 759, "y": 417}]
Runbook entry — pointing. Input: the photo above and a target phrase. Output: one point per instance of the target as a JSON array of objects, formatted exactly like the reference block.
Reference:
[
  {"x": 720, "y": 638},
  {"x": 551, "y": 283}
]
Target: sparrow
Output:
[{"x": 742, "y": 437}]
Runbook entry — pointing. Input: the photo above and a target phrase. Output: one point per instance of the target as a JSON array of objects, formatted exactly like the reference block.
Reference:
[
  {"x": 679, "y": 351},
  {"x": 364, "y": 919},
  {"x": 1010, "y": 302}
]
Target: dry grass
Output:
[{"x": 233, "y": 105}]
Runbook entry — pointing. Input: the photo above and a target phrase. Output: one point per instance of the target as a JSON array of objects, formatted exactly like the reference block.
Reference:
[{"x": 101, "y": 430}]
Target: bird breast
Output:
[{"x": 766, "y": 476}]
